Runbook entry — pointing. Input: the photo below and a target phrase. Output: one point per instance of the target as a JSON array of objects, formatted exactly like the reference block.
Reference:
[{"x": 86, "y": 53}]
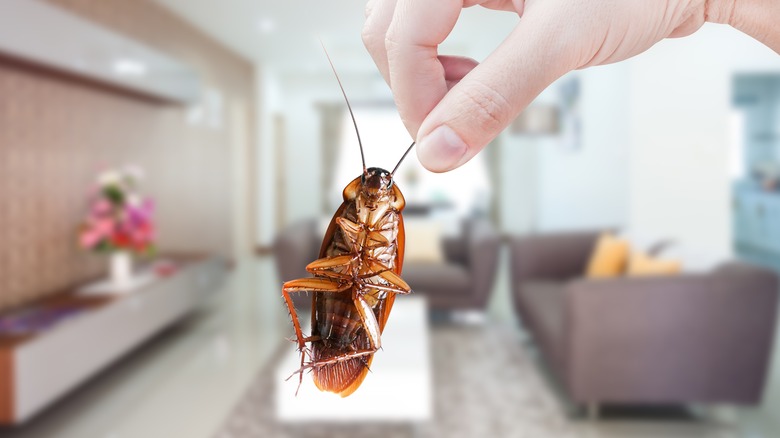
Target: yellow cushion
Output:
[
  {"x": 609, "y": 258},
  {"x": 641, "y": 264},
  {"x": 423, "y": 241}
]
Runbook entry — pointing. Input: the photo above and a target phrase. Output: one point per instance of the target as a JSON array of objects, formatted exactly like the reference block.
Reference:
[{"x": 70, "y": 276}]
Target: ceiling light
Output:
[
  {"x": 266, "y": 25},
  {"x": 129, "y": 67}
]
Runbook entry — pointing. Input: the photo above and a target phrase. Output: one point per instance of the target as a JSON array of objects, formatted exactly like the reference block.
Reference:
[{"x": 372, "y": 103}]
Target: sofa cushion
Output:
[
  {"x": 641, "y": 264},
  {"x": 437, "y": 278},
  {"x": 544, "y": 311}
]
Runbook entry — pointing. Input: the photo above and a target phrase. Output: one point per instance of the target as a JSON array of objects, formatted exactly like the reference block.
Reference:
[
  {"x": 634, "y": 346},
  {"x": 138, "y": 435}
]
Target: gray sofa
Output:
[
  {"x": 645, "y": 340},
  {"x": 463, "y": 282}
]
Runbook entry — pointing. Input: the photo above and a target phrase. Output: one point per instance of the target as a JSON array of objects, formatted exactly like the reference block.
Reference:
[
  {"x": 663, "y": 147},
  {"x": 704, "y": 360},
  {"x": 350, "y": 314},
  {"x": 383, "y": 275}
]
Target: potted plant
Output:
[{"x": 119, "y": 222}]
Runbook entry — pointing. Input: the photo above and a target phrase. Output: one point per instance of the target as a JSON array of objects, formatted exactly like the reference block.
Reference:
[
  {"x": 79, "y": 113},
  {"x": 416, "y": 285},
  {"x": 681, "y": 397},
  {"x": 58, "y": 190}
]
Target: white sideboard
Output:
[{"x": 37, "y": 369}]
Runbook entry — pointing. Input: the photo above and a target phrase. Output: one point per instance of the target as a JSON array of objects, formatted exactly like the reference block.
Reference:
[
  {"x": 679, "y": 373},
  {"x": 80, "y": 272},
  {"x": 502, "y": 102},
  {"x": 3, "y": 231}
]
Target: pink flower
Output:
[
  {"x": 101, "y": 207},
  {"x": 89, "y": 239},
  {"x": 104, "y": 227},
  {"x": 118, "y": 220}
]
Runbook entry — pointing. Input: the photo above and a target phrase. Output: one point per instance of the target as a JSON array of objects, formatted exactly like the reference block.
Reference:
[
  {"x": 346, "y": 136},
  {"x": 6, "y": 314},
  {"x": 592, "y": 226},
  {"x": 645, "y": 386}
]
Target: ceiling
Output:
[{"x": 283, "y": 35}]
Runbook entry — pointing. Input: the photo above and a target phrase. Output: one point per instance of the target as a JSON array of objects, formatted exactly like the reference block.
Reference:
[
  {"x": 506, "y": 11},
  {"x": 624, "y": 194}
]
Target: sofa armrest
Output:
[
  {"x": 483, "y": 244},
  {"x": 294, "y": 248},
  {"x": 694, "y": 338},
  {"x": 456, "y": 249},
  {"x": 557, "y": 256}
]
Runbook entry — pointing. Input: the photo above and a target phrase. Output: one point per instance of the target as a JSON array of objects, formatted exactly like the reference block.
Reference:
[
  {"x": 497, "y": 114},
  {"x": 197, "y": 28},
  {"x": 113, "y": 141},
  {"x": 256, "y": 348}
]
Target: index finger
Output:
[{"x": 416, "y": 74}]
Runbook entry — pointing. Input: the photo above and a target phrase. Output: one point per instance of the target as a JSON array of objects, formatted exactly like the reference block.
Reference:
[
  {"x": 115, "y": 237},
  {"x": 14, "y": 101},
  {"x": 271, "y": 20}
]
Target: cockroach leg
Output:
[
  {"x": 371, "y": 326},
  {"x": 396, "y": 281},
  {"x": 387, "y": 288},
  {"x": 369, "y": 321},
  {"x": 307, "y": 339},
  {"x": 297, "y": 327},
  {"x": 294, "y": 316},
  {"x": 338, "y": 267},
  {"x": 365, "y": 364},
  {"x": 334, "y": 360},
  {"x": 307, "y": 285},
  {"x": 298, "y": 371},
  {"x": 316, "y": 284},
  {"x": 372, "y": 268}
]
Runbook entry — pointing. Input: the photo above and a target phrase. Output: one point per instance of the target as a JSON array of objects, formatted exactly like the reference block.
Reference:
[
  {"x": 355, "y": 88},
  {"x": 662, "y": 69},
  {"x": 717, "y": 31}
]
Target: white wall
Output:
[
  {"x": 302, "y": 158},
  {"x": 518, "y": 188},
  {"x": 239, "y": 118},
  {"x": 268, "y": 103},
  {"x": 587, "y": 188},
  {"x": 680, "y": 93}
]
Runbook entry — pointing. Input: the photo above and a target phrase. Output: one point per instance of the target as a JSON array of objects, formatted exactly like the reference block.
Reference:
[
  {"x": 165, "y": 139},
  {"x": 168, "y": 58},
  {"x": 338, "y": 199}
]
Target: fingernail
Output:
[{"x": 441, "y": 150}]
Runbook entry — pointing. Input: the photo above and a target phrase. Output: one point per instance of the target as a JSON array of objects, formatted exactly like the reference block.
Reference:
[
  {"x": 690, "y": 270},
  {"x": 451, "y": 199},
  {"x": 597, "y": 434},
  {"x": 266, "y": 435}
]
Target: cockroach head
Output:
[{"x": 376, "y": 181}]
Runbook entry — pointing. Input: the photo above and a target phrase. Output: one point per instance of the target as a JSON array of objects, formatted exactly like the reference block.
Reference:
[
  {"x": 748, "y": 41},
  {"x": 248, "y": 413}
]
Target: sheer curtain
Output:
[{"x": 331, "y": 129}]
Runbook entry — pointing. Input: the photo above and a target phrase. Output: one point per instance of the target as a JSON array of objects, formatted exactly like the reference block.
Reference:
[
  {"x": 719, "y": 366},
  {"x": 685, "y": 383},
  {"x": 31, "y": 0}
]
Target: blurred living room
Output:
[{"x": 606, "y": 267}]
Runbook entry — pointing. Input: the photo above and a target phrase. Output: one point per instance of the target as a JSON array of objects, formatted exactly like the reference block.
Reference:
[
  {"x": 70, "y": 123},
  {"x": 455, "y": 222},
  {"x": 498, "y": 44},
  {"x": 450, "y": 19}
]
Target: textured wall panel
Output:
[{"x": 57, "y": 132}]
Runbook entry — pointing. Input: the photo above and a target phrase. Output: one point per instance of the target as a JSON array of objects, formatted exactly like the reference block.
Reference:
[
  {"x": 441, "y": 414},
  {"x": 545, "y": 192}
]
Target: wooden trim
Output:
[
  {"x": 264, "y": 250},
  {"x": 7, "y": 389},
  {"x": 280, "y": 146}
]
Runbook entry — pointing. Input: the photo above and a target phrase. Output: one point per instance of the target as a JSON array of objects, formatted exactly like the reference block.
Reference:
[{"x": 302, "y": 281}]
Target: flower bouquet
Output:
[{"x": 119, "y": 221}]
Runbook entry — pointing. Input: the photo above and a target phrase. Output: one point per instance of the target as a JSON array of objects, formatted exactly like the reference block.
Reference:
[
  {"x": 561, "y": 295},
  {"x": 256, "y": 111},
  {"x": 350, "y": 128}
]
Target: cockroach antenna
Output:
[
  {"x": 351, "y": 114},
  {"x": 402, "y": 159}
]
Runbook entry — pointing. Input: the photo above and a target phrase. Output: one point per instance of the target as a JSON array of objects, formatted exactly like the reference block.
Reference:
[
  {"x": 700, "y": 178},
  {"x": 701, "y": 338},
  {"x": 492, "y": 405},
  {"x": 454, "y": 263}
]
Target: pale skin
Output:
[{"x": 454, "y": 106}]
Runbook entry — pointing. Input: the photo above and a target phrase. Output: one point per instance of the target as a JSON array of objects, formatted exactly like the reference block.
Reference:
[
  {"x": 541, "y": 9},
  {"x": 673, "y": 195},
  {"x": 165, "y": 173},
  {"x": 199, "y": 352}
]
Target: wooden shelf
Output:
[{"x": 39, "y": 367}]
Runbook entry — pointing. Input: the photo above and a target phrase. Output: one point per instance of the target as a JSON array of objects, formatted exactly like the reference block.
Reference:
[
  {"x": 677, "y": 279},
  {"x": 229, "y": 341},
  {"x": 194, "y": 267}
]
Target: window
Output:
[{"x": 461, "y": 192}]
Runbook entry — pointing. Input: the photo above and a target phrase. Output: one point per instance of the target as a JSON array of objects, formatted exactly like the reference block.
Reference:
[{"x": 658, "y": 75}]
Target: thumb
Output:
[{"x": 491, "y": 95}]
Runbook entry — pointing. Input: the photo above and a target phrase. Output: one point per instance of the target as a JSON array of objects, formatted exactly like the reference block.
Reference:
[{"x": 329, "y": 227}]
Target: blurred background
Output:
[{"x": 606, "y": 267}]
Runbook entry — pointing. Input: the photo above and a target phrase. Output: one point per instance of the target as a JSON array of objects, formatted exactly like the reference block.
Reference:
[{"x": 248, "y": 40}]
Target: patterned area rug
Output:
[{"x": 485, "y": 385}]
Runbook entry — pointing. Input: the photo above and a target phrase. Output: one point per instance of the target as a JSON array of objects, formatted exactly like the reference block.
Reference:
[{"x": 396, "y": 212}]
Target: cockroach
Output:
[{"x": 356, "y": 278}]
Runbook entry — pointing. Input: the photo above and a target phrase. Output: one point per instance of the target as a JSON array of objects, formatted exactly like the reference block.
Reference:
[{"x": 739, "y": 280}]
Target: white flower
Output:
[
  {"x": 133, "y": 173},
  {"x": 109, "y": 178},
  {"x": 134, "y": 200}
]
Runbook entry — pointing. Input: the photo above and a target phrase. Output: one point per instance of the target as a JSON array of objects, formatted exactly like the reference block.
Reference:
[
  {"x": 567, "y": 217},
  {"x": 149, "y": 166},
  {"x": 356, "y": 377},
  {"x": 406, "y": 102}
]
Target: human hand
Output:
[{"x": 455, "y": 106}]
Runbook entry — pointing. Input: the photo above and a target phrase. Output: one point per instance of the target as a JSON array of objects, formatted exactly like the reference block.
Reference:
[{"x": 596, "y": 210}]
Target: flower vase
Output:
[{"x": 121, "y": 268}]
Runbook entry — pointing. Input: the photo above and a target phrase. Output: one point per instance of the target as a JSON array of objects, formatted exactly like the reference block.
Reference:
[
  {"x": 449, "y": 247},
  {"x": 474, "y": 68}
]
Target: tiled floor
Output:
[{"x": 186, "y": 382}]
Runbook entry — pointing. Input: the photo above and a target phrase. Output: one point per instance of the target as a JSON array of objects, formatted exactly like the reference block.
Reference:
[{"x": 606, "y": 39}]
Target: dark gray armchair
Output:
[
  {"x": 679, "y": 339},
  {"x": 463, "y": 282}
]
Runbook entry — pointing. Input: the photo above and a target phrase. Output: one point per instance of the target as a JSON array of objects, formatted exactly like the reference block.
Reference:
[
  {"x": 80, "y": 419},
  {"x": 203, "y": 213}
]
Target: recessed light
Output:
[
  {"x": 266, "y": 25},
  {"x": 129, "y": 67}
]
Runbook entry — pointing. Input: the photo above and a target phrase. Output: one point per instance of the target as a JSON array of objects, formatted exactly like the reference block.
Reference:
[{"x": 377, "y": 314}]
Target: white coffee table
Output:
[{"x": 398, "y": 388}]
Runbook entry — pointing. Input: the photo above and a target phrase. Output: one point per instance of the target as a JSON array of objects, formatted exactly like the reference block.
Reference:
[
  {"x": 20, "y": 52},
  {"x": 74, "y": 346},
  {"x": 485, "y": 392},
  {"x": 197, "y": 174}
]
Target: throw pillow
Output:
[
  {"x": 641, "y": 264},
  {"x": 609, "y": 257},
  {"x": 423, "y": 241}
]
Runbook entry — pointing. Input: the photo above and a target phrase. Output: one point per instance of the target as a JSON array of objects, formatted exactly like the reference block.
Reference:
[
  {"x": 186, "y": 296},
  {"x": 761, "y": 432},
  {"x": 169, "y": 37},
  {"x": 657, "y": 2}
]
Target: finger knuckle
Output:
[
  {"x": 489, "y": 108},
  {"x": 371, "y": 40},
  {"x": 391, "y": 39}
]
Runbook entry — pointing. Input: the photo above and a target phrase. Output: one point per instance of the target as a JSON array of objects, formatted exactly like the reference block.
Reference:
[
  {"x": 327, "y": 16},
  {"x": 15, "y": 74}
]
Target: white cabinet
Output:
[
  {"x": 757, "y": 221},
  {"x": 47, "y": 365}
]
